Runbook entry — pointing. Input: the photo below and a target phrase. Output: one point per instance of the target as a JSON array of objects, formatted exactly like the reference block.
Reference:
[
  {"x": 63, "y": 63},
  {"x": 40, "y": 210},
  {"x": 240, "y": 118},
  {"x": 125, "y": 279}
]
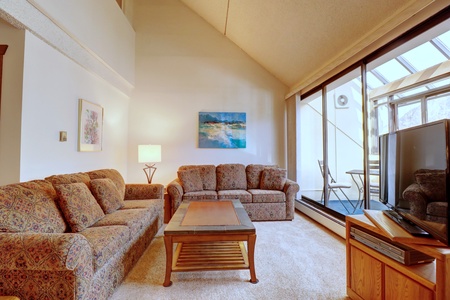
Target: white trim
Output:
[{"x": 333, "y": 224}]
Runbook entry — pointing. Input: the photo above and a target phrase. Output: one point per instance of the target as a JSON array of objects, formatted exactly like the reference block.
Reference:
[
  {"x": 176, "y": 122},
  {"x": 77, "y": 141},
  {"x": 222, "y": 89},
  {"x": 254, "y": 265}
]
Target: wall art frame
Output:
[
  {"x": 222, "y": 130},
  {"x": 90, "y": 126}
]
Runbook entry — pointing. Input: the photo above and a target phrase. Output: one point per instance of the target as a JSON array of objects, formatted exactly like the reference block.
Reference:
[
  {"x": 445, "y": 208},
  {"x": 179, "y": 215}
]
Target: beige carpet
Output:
[{"x": 294, "y": 260}]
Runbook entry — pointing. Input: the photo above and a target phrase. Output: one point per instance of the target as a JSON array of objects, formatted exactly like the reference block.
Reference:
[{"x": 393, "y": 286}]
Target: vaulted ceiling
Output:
[{"x": 300, "y": 40}]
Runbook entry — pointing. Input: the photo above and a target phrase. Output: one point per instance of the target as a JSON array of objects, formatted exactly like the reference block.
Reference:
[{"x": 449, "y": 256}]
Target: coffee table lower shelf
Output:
[{"x": 209, "y": 256}]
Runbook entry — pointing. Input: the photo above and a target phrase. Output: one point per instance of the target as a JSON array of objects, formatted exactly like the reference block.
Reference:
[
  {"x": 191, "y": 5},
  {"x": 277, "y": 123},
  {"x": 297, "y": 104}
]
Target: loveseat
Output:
[
  {"x": 74, "y": 236},
  {"x": 263, "y": 190}
]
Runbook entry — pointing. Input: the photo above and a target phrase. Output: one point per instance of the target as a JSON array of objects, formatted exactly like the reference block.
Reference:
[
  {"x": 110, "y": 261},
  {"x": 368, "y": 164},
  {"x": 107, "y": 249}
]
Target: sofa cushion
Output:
[
  {"x": 190, "y": 180},
  {"x": 105, "y": 242},
  {"x": 243, "y": 196},
  {"x": 267, "y": 196},
  {"x": 253, "y": 173},
  {"x": 79, "y": 207},
  {"x": 273, "y": 179},
  {"x": 203, "y": 195},
  {"x": 69, "y": 178},
  {"x": 30, "y": 207},
  {"x": 207, "y": 174},
  {"x": 135, "y": 219},
  {"x": 107, "y": 195},
  {"x": 231, "y": 177},
  {"x": 112, "y": 174}
]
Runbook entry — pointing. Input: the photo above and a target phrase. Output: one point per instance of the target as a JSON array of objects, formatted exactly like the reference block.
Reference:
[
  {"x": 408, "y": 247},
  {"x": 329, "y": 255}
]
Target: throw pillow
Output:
[
  {"x": 190, "y": 180},
  {"x": 107, "y": 195},
  {"x": 273, "y": 179},
  {"x": 79, "y": 207}
]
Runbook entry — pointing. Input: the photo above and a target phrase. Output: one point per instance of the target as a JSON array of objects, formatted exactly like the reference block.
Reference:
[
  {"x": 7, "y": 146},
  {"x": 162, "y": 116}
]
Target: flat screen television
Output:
[{"x": 414, "y": 176}]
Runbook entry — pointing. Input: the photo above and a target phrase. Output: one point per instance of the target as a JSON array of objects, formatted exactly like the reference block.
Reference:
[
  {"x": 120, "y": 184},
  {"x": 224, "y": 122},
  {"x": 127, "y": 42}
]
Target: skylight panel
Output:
[
  {"x": 373, "y": 81},
  {"x": 445, "y": 39},
  {"x": 392, "y": 70},
  {"x": 424, "y": 56}
]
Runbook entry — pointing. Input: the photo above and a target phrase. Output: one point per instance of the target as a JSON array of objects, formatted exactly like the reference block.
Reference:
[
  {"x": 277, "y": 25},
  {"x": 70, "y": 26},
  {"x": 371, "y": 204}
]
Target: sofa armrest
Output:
[
  {"x": 175, "y": 193},
  {"x": 290, "y": 189},
  {"x": 45, "y": 252},
  {"x": 137, "y": 191},
  {"x": 417, "y": 200}
]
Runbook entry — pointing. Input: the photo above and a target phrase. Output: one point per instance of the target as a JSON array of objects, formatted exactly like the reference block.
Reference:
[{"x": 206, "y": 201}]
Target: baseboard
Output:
[{"x": 321, "y": 217}]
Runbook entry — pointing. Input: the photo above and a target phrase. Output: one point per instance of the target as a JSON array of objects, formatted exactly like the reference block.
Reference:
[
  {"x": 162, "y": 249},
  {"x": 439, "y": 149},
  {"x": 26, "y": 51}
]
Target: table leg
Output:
[
  {"x": 251, "y": 258},
  {"x": 169, "y": 256}
]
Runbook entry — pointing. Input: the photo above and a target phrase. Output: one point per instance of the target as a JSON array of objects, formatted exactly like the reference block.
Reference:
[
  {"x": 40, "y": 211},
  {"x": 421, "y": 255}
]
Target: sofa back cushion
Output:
[
  {"x": 207, "y": 174},
  {"x": 30, "y": 207},
  {"x": 107, "y": 195},
  {"x": 78, "y": 205},
  {"x": 273, "y": 179},
  {"x": 253, "y": 173},
  {"x": 112, "y": 174},
  {"x": 69, "y": 178},
  {"x": 190, "y": 180},
  {"x": 231, "y": 177}
]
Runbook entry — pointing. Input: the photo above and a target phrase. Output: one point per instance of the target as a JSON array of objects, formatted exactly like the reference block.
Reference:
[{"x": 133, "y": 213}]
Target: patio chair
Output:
[{"x": 332, "y": 186}]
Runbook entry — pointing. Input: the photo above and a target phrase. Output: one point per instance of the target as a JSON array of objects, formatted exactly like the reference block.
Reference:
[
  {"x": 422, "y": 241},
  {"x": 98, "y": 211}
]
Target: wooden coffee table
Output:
[{"x": 210, "y": 236}]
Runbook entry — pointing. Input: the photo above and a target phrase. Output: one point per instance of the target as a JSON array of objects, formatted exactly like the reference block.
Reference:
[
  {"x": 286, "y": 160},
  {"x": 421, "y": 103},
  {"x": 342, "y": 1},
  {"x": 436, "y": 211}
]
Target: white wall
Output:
[
  {"x": 99, "y": 26},
  {"x": 11, "y": 104},
  {"x": 52, "y": 85},
  {"x": 184, "y": 66}
]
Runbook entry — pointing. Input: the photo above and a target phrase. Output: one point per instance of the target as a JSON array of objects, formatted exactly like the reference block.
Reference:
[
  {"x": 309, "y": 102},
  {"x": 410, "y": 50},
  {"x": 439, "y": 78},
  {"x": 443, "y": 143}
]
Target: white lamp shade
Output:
[{"x": 149, "y": 153}]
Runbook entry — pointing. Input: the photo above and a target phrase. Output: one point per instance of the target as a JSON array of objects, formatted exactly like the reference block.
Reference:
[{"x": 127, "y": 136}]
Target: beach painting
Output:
[{"x": 221, "y": 130}]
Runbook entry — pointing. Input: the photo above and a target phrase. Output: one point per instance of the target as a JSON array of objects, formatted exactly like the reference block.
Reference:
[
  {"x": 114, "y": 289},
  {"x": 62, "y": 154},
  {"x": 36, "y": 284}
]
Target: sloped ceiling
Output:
[{"x": 297, "y": 40}]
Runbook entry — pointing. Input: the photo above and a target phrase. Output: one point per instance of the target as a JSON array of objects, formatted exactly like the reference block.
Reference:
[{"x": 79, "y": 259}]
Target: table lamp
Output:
[{"x": 150, "y": 155}]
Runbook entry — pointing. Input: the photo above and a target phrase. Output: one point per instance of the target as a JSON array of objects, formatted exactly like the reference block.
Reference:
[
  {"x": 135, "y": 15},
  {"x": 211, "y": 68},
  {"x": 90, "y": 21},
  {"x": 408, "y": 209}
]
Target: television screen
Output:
[{"x": 414, "y": 175}]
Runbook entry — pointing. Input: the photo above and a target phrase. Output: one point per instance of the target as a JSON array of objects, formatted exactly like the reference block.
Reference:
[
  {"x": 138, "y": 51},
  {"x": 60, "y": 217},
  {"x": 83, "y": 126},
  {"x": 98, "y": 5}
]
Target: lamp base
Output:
[{"x": 149, "y": 171}]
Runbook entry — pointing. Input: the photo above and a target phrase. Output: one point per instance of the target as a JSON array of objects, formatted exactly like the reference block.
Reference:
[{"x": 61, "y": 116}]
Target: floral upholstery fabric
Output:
[
  {"x": 112, "y": 174},
  {"x": 254, "y": 173},
  {"x": 273, "y": 179},
  {"x": 69, "y": 265},
  {"x": 133, "y": 204},
  {"x": 203, "y": 195},
  {"x": 207, "y": 174},
  {"x": 45, "y": 266},
  {"x": 243, "y": 196},
  {"x": 137, "y": 191},
  {"x": 267, "y": 196},
  {"x": 190, "y": 180},
  {"x": 105, "y": 242},
  {"x": 79, "y": 207},
  {"x": 134, "y": 219},
  {"x": 266, "y": 212},
  {"x": 30, "y": 207},
  {"x": 106, "y": 194},
  {"x": 69, "y": 178},
  {"x": 231, "y": 177}
]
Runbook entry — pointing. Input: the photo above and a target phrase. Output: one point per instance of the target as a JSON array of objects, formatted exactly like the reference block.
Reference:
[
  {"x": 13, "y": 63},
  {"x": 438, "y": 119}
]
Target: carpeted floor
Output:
[{"x": 296, "y": 259}]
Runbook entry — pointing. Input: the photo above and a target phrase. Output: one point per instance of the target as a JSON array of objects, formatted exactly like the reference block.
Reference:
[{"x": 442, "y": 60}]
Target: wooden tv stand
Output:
[{"x": 372, "y": 275}]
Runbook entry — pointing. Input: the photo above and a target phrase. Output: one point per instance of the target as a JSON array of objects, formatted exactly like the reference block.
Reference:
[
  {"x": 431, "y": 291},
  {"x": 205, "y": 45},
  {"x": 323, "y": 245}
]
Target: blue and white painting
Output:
[{"x": 221, "y": 130}]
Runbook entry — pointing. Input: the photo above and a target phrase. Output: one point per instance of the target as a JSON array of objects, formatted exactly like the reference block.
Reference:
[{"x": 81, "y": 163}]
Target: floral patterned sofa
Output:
[
  {"x": 74, "y": 236},
  {"x": 264, "y": 191}
]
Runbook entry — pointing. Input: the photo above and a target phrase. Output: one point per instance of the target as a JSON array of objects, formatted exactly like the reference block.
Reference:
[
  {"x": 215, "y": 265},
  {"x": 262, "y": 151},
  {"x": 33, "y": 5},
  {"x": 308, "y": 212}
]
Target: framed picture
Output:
[
  {"x": 222, "y": 130},
  {"x": 90, "y": 126}
]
